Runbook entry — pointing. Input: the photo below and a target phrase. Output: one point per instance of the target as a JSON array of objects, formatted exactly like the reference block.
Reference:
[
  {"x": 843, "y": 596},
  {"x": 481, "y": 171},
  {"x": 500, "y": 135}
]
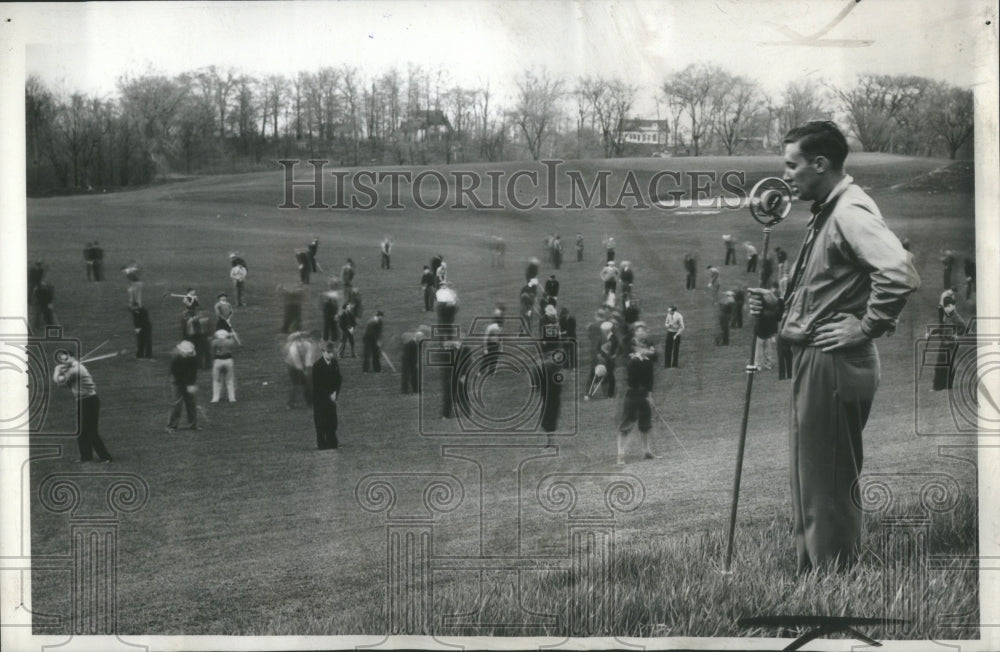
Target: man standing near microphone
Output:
[{"x": 848, "y": 286}]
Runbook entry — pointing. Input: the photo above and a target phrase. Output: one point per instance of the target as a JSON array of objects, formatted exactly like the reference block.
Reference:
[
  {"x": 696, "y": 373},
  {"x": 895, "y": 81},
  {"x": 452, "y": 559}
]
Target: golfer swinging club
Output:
[{"x": 849, "y": 284}]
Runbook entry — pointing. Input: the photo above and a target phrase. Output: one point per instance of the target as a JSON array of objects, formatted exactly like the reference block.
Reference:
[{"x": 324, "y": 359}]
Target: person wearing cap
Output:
[
  {"x": 299, "y": 354},
  {"x": 326, "y": 382},
  {"x": 674, "y": 323},
  {"x": 609, "y": 248},
  {"x": 442, "y": 273},
  {"x": 347, "y": 322},
  {"x": 848, "y": 286},
  {"x": 637, "y": 408},
  {"x": 70, "y": 373},
  {"x": 223, "y": 313},
  {"x": 183, "y": 375},
  {"x": 579, "y": 247},
  {"x": 492, "y": 348},
  {"x": 223, "y": 347},
  {"x": 428, "y": 286},
  {"x": 410, "y": 365},
  {"x": 371, "y": 344},
  {"x": 238, "y": 273}
]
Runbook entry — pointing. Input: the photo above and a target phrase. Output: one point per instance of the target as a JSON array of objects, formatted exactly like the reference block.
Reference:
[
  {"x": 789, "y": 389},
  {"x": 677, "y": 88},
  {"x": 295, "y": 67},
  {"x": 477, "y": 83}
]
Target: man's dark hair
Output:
[{"x": 820, "y": 138}]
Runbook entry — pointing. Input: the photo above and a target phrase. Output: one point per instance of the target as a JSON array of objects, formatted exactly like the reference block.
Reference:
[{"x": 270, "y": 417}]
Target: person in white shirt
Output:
[
  {"x": 70, "y": 373},
  {"x": 223, "y": 347},
  {"x": 675, "y": 326},
  {"x": 238, "y": 273}
]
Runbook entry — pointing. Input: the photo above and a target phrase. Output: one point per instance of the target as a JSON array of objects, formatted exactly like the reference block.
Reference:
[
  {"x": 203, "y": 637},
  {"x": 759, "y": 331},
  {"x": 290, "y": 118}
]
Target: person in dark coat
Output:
[
  {"x": 739, "y": 298},
  {"x": 551, "y": 380},
  {"x": 312, "y": 249},
  {"x": 691, "y": 267},
  {"x": 326, "y": 382},
  {"x": 970, "y": 277},
  {"x": 371, "y": 344},
  {"x": 551, "y": 290},
  {"x": 951, "y": 327},
  {"x": 183, "y": 375},
  {"x": 347, "y": 322},
  {"x": 726, "y": 304},
  {"x": 567, "y": 331},
  {"x": 291, "y": 299},
  {"x": 143, "y": 332},
  {"x": 638, "y": 395},
  {"x": 98, "y": 262},
  {"x": 330, "y": 305},
  {"x": 305, "y": 267},
  {"x": 428, "y": 284},
  {"x": 410, "y": 366}
]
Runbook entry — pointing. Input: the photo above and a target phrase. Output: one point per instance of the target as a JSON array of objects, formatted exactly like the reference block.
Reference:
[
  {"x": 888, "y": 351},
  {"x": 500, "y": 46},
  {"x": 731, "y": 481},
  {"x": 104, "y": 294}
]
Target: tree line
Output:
[{"x": 220, "y": 120}]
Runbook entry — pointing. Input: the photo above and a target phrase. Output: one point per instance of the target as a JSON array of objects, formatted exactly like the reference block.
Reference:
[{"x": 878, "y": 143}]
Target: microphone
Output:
[{"x": 770, "y": 201}]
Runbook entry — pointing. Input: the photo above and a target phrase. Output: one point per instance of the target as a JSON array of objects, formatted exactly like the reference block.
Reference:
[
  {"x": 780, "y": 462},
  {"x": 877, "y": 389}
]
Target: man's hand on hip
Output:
[{"x": 843, "y": 331}]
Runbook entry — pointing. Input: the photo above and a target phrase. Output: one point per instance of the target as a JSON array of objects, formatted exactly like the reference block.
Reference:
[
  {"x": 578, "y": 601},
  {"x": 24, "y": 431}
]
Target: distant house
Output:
[
  {"x": 638, "y": 131},
  {"x": 431, "y": 124}
]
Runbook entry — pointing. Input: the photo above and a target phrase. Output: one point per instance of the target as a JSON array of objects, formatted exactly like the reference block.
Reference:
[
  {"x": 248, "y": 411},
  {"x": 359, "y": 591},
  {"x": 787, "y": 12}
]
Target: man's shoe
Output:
[
  {"x": 621, "y": 461},
  {"x": 171, "y": 430},
  {"x": 651, "y": 456}
]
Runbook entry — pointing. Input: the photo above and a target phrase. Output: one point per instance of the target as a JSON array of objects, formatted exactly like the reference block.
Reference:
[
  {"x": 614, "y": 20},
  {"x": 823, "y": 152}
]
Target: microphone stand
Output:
[{"x": 770, "y": 207}]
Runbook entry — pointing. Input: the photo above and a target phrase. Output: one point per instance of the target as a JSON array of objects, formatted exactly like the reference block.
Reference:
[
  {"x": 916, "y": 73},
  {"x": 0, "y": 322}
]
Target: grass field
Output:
[{"x": 250, "y": 530}]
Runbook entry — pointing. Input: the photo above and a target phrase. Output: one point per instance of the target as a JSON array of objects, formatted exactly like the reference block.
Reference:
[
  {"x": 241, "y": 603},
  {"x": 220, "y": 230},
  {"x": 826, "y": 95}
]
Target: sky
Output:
[{"x": 87, "y": 47}]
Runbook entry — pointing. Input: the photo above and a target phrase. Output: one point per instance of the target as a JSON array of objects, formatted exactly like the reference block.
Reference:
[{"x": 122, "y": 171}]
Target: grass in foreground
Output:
[{"x": 674, "y": 587}]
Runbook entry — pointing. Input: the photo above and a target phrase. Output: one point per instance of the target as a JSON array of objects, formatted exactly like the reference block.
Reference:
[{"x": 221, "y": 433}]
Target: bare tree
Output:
[
  {"x": 492, "y": 125},
  {"x": 801, "y": 101},
  {"x": 736, "y": 102},
  {"x": 950, "y": 116},
  {"x": 537, "y": 108},
  {"x": 609, "y": 101},
  {"x": 692, "y": 89},
  {"x": 877, "y": 104}
]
